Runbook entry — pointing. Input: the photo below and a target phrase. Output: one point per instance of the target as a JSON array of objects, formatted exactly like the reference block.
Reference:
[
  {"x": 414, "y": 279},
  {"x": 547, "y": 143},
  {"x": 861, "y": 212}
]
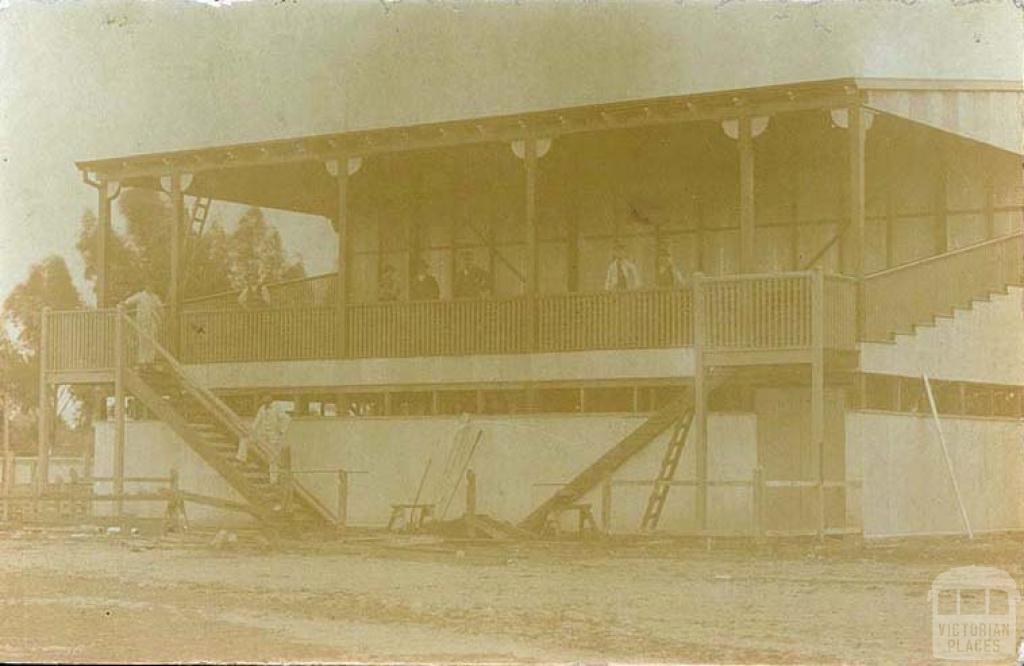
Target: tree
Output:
[
  {"x": 48, "y": 285},
  {"x": 218, "y": 262},
  {"x": 256, "y": 252}
]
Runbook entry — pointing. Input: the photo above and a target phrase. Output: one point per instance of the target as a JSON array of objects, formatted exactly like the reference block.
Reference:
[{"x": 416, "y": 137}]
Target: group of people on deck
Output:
[{"x": 470, "y": 281}]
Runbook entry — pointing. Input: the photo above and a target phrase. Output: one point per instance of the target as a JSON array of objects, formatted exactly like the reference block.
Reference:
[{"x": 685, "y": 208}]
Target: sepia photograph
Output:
[{"x": 512, "y": 331}]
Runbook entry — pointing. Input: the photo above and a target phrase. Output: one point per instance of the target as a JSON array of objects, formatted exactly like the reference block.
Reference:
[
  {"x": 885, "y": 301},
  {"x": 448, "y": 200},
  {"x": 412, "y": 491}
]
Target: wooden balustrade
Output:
[
  {"x": 757, "y": 312},
  {"x": 740, "y": 313},
  {"x": 840, "y": 303},
  {"x": 897, "y": 299},
  {"x": 615, "y": 320},
  {"x": 437, "y": 328},
  {"x": 80, "y": 340},
  {"x": 286, "y": 334}
]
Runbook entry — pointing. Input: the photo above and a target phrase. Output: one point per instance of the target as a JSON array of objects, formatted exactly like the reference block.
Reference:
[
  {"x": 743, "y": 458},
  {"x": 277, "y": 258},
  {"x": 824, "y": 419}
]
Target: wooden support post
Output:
[
  {"x": 8, "y": 469},
  {"x": 572, "y": 251},
  {"x": 174, "y": 295},
  {"x": 890, "y": 218},
  {"x": 941, "y": 198},
  {"x": 757, "y": 499},
  {"x": 990, "y": 203},
  {"x": 343, "y": 260},
  {"x": 119, "y": 409},
  {"x": 530, "y": 221},
  {"x": 818, "y": 390},
  {"x": 102, "y": 233},
  {"x": 699, "y": 406},
  {"x": 606, "y": 505},
  {"x": 342, "y": 517},
  {"x": 45, "y": 407},
  {"x": 699, "y": 262},
  {"x": 747, "y": 234},
  {"x": 857, "y": 232}
]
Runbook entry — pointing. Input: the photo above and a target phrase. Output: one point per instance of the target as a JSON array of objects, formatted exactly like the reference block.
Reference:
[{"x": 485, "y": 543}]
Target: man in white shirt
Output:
[
  {"x": 622, "y": 273},
  {"x": 269, "y": 428},
  {"x": 148, "y": 316}
]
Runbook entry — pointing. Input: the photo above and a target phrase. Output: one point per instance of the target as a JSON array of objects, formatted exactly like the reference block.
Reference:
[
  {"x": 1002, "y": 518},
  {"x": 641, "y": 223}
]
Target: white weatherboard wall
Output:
[
  {"x": 982, "y": 344},
  {"x": 907, "y": 489},
  {"x": 153, "y": 449},
  {"x": 519, "y": 462},
  {"x": 516, "y": 460}
]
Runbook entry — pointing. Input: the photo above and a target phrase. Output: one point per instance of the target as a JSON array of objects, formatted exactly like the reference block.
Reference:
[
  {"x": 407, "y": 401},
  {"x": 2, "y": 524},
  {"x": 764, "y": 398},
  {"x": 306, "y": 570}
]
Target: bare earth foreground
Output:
[{"x": 74, "y": 595}]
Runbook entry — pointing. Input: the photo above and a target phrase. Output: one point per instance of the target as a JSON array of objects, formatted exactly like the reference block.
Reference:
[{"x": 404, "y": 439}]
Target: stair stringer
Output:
[
  {"x": 982, "y": 343},
  {"x": 169, "y": 415}
]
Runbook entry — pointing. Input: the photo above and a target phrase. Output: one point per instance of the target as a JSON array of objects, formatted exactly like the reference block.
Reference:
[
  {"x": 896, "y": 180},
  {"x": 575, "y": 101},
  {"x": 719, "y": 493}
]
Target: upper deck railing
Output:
[{"x": 738, "y": 313}]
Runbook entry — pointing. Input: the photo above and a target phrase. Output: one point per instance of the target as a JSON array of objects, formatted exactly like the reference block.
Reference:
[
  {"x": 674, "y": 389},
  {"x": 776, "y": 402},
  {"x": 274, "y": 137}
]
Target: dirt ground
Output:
[{"x": 79, "y": 595}]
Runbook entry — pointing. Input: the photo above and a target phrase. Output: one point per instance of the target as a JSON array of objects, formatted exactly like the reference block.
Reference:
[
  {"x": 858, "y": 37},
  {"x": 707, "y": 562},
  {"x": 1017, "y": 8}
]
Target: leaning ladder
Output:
[
  {"x": 197, "y": 224},
  {"x": 669, "y": 463}
]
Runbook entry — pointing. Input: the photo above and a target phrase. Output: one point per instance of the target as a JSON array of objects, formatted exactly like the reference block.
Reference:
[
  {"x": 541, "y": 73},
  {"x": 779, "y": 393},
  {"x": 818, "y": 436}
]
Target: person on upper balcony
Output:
[
  {"x": 423, "y": 286},
  {"x": 622, "y": 273},
  {"x": 148, "y": 311},
  {"x": 471, "y": 281},
  {"x": 255, "y": 295},
  {"x": 668, "y": 275},
  {"x": 387, "y": 286}
]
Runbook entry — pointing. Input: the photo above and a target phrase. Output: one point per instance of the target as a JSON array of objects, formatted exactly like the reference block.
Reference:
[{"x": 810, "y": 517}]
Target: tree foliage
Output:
[{"x": 218, "y": 262}]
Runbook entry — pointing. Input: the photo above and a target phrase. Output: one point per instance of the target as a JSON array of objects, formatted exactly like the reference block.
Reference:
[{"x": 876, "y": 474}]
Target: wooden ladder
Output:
[{"x": 669, "y": 463}]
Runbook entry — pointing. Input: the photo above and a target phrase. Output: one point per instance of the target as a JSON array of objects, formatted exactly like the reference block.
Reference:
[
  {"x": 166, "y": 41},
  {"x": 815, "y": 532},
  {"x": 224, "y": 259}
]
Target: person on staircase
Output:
[
  {"x": 269, "y": 429},
  {"x": 148, "y": 311}
]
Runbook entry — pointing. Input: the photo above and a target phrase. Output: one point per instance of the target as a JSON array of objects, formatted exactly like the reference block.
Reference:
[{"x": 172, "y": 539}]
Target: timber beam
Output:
[{"x": 502, "y": 129}]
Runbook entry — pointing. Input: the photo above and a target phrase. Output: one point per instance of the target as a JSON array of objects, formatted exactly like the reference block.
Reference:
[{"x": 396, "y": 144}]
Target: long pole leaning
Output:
[{"x": 945, "y": 454}]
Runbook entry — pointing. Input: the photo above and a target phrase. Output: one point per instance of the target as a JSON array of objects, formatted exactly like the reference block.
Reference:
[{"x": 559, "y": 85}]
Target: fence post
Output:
[
  {"x": 45, "y": 407},
  {"x": 700, "y": 404},
  {"x": 342, "y": 519},
  {"x": 818, "y": 388},
  {"x": 606, "y": 505},
  {"x": 758, "y": 495},
  {"x": 119, "y": 407}
]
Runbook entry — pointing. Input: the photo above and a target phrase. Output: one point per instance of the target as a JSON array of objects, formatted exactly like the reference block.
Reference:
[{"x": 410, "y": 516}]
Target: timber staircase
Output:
[
  {"x": 612, "y": 460},
  {"x": 213, "y": 430}
]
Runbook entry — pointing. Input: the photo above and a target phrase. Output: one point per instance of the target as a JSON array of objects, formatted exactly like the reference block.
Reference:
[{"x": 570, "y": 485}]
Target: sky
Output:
[{"x": 92, "y": 79}]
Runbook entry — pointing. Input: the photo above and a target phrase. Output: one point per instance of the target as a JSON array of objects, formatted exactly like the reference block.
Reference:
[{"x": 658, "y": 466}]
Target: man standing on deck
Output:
[
  {"x": 424, "y": 286},
  {"x": 668, "y": 275},
  {"x": 471, "y": 281},
  {"x": 148, "y": 317},
  {"x": 622, "y": 273}
]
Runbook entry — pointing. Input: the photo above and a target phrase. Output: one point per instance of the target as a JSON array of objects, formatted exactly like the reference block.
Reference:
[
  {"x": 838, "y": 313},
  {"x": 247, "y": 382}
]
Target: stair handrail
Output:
[
  {"x": 239, "y": 428},
  {"x": 943, "y": 255}
]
